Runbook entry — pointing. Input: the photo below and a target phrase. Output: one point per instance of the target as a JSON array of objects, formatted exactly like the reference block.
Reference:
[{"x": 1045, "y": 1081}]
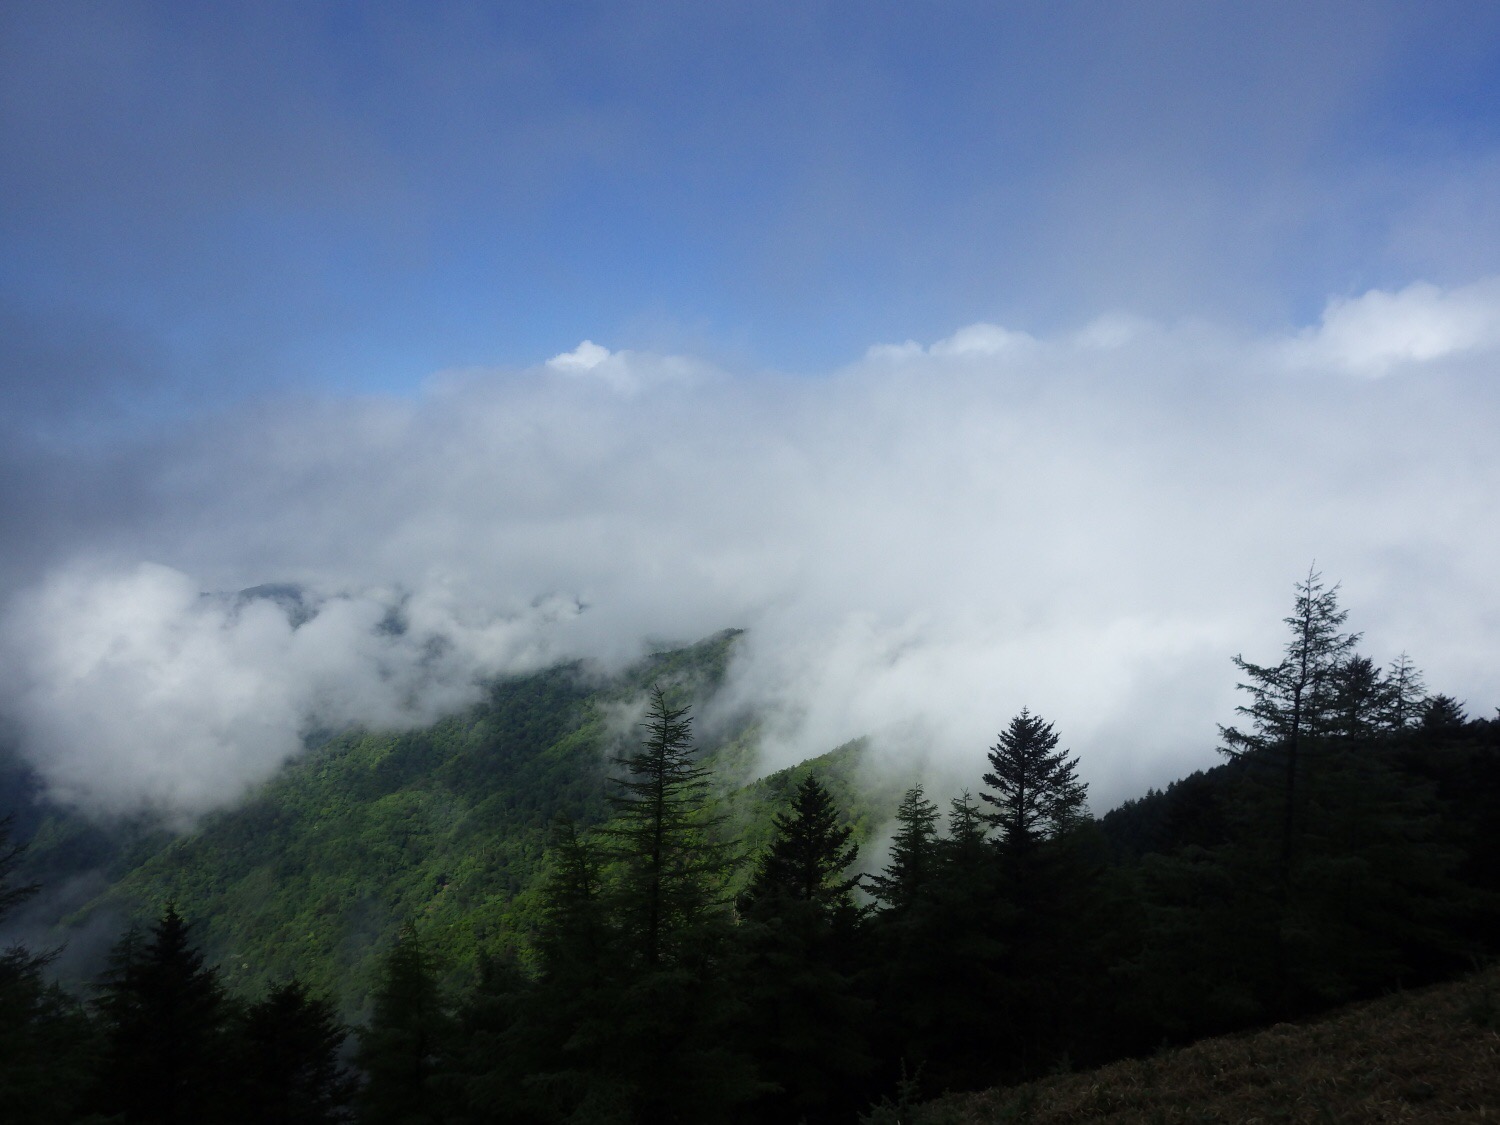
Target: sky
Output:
[{"x": 970, "y": 356}]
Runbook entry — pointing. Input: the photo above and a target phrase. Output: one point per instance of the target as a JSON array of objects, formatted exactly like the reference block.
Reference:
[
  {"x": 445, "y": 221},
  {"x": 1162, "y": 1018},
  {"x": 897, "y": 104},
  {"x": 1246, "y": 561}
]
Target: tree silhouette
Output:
[
  {"x": 807, "y": 856},
  {"x": 671, "y": 869},
  {"x": 1032, "y": 785},
  {"x": 289, "y": 1060},
  {"x": 1293, "y": 703},
  {"x": 911, "y": 869},
  {"x": 1405, "y": 694},
  {"x": 647, "y": 1038},
  {"x": 165, "y": 1017},
  {"x": 401, "y": 1049},
  {"x": 801, "y": 934}
]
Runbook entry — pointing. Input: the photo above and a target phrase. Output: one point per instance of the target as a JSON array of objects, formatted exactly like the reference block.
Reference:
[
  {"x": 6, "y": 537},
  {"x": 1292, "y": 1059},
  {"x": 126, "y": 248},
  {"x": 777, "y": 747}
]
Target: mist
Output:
[{"x": 918, "y": 543}]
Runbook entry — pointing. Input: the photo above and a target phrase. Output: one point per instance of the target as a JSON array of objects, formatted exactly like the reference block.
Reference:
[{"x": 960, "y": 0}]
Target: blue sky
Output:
[
  {"x": 210, "y": 199},
  {"x": 975, "y": 356}
]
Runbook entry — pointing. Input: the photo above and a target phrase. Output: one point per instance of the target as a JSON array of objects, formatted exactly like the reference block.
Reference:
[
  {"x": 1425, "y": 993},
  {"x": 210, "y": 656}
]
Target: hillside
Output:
[
  {"x": 446, "y": 826},
  {"x": 1429, "y": 1055}
]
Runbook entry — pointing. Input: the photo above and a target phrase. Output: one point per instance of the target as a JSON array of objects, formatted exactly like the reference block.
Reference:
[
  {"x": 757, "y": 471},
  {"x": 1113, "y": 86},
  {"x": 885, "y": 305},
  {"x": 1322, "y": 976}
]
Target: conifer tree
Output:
[
  {"x": 166, "y": 1022},
  {"x": 808, "y": 855},
  {"x": 652, "y": 1045},
  {"x": 1360, "y": 699},
  {"x": 1405, "y": 694},
  {"x": 910, "y": 871},
  {"x": 1442, "y": 714},
  {"x": 802, "y": 932},
  {"x": 671, "y": 867},
  {"x": 1292, "y": 703},
  {"x": 965, "y": 850},
  {"x": 288, "y": 1060},
  {"x": 402, "y": 1048},
  {"x": 1034, "y": 787},
  {"x": 573, "y": 939}
]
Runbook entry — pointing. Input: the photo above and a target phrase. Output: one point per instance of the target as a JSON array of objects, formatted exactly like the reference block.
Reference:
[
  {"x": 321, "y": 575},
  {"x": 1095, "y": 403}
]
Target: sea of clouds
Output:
[{"x": 919, "y": 544}]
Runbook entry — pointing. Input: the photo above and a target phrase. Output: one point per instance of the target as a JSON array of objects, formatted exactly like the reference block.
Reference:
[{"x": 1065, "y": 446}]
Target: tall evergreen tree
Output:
[
  {"x": 802, "y": 930},
  {"x": 1405, "y": 694},
  {"x": 574, "y": 938},
  {"x": 1032, "y": 785},
  {"x": 944, "y": 992},
  {"x": 671, "y": 868},
  {"x": 808, "y": 855},
  {"x": 1046, "y": 876},
  {"x": 1442, "y": 714},
  {"x": 288, "y": 1061},
  {"x": 1360, "y": 699},
  {"x": 166, "y": 1022},
  {"x": 655, "y": 1037},
  {"x": 1292, "y": 703},
  {"x": 401, "y": 1050},
  {"x": 913, "y": 860}
]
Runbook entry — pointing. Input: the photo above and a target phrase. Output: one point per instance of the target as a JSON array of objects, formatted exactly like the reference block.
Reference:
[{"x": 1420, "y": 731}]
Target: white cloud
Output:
[
  {"x": 585, "y": 357},
  {"x": 920, "y": 544},
  {"x": 1379, "y": 332},
  {"x": 135, "y": 688},
  {"x": 977, "y": 340}
]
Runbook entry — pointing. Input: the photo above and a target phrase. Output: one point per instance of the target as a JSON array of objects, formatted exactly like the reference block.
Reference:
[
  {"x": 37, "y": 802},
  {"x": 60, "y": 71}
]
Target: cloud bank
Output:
[{"x": 919, "y": 543}]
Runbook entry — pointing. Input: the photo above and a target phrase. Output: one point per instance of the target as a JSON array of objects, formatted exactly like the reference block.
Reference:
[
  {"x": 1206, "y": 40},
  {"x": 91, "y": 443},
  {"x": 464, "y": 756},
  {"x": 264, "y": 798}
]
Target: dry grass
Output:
[{"x": 1431, "y": 1055}]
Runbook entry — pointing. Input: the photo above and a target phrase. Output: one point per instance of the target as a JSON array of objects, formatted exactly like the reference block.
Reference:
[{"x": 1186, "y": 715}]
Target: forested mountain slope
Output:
[{"x": 445, "y": 826}]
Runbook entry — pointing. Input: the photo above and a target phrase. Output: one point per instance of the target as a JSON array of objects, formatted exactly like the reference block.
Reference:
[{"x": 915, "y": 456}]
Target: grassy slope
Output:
[{"x": 1430, "y": 1055}]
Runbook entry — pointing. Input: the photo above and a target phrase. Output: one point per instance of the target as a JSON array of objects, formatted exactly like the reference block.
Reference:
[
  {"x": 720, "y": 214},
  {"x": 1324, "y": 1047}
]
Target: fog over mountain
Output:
[{"x": 919, "y": 543}]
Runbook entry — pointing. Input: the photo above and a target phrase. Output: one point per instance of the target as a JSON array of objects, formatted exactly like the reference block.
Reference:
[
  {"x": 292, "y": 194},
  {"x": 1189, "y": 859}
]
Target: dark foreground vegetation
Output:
[
  {"x": 1346, "y": 846},
  {"x": 1427, "y": 1057}
]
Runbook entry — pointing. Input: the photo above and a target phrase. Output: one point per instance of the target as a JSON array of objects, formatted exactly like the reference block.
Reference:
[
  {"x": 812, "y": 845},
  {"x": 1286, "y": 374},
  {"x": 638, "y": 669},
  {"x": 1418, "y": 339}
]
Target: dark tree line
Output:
[{"x": 1346, "y": 845}]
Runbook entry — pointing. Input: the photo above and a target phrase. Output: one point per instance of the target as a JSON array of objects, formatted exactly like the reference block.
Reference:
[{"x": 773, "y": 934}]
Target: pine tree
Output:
[
  {"x": 910, "y": 871},
  {"x": 289, "y": 1060},
  {"x": 1292, "y": 703},
  {"x": 1442, "y": 714},
  {"x": 1046, "y": 875},
  {"x": 402, "y": 1048},
  {"x": 1360, "y": 699},
  {"x": 1035, "y": 790},
  {"x": 808, "y": 855},
  {"x": 166, "y": 1021},
  {"x": 1405, "y": 694},
  {"x": 574, "y": 938},
  {"x": 802, "y": 935},
  {"x": 671, "y": 869},
  {"x": 651, "y": 1044}
]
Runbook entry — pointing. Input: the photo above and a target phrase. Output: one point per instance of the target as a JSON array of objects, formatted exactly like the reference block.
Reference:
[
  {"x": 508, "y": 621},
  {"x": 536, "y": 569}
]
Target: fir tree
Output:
[
  {"x": 289, "y": 1060},
  {"x": 1034, "y": 787},
  {"x": 402, "y": 1048},
  {"x": 808, "y": 855},
  {"x": 910, "y": 871},
  {"x": 166, "y": 1021},
  {"x": 1292, "y": 703},
  {"x": 1360, "y": 699},
  {"x": 1442, "y": 714},
  {"x": 1405, "y": 694},
  {"x": 648, "y": 1040},
  {"x": 671, "y": 868},
  {"x": 807, "y": 1025},
  {"x": 574, "y": 938}
]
